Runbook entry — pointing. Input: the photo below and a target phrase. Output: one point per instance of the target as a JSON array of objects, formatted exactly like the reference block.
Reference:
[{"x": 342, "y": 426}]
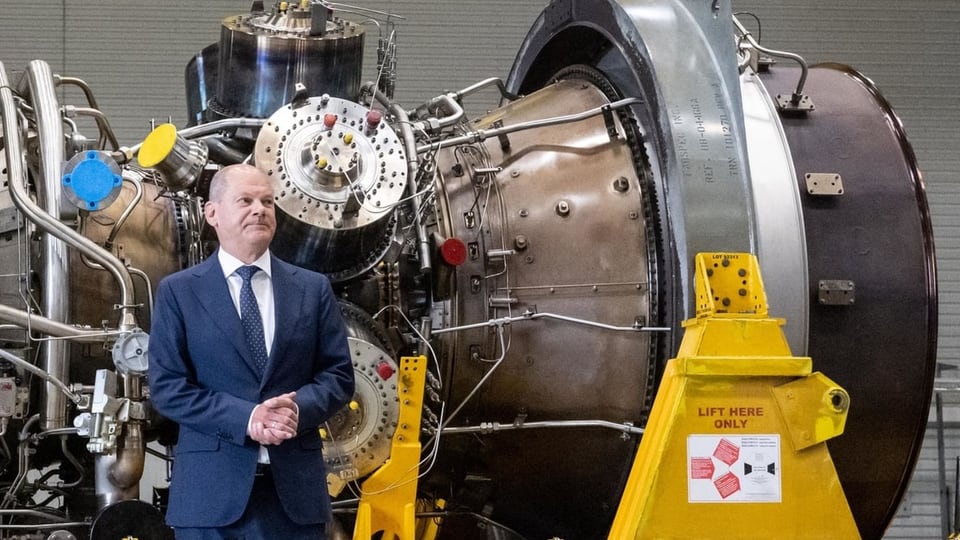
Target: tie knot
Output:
[{"x": 247, "y": 272}]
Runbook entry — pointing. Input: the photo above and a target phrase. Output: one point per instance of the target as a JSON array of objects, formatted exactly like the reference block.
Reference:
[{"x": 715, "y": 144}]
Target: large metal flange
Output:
[
  {"x": 357, "y": 439},
  {"x": 338, "y": 172},
  {"x": 331, "y": 169}
]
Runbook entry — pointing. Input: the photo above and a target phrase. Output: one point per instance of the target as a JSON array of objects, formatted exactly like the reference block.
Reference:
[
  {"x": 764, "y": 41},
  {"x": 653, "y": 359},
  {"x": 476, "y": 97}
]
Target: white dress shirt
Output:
[{"x": 262, "y": 289}]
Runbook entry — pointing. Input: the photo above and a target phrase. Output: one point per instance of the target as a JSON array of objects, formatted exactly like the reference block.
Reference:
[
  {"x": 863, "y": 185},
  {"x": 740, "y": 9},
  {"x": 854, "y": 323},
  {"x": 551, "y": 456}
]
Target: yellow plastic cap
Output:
[{"x": 158, "y": 145}]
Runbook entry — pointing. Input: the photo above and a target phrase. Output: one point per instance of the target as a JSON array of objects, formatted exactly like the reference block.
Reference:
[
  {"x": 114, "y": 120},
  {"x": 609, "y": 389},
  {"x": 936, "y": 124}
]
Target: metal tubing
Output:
[
  {"x": 135, "y": 179},
  {"x": 528, "y": 316},
  {"x": 23, "y": 455},
  {"x": 214, "y": 127},
  {"x": 446, "y": 103},
  {"x": 413, "y": 165},
  {"x": 483, "y": 380},
  {"x": 426, "y": 330},
  {"x": 127, "y": 470},
  {"x": 107, "y": 491},
  {"x": 481, "y": 135},
  {"x": 73, "y": 461},
  {"x": 483, "y": 84},
  {"x": 50, "y": 327},
  {"x": 57, "y": 432},
  {"x": 210, "y": 128},
  {"x": 56, "y": 261},
  {"x": 32, "y": 513},
  {"x": 797, "y": 94},
  {"x": 221, "y": 152},
  {"x": 39, "y": 526},
  {"x": 105, "y": 130},
  {"x": 146, "y": 282},
  {"x": 50, "y": 378},
  {"x": 347, "y": 8},
  {"x": 493, "y": 427},
  {"x": 102, "y": 122},
  {"x": 80, "y": 83}
]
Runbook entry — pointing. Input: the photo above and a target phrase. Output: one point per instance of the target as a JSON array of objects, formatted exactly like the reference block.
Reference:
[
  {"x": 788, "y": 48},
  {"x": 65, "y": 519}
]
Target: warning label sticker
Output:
[{"x": 733, "y": 468}]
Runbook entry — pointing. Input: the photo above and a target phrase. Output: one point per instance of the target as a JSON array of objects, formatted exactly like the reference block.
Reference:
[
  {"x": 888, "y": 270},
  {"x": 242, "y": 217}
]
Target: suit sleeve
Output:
[
  {"x": 333, "y": 382},
  {"x": 174, "y": 389}
]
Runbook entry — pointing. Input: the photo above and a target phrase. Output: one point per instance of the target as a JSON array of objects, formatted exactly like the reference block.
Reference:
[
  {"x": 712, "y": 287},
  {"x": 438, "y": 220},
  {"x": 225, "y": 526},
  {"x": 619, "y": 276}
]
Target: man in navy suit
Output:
[{"x": 249, "y": 378}]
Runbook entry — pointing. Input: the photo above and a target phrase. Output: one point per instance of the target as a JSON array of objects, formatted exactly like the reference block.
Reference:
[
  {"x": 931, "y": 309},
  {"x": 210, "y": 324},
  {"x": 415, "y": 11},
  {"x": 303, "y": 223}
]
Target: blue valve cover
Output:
[{"x": 91, "y": 180}]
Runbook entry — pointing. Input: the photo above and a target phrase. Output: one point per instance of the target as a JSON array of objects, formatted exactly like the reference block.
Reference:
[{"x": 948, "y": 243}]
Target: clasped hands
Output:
[{"x": 275, "y": 420}]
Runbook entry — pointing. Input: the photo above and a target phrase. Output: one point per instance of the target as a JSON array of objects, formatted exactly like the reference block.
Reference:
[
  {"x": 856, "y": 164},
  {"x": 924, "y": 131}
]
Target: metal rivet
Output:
[{"x": 621, "y": 184}]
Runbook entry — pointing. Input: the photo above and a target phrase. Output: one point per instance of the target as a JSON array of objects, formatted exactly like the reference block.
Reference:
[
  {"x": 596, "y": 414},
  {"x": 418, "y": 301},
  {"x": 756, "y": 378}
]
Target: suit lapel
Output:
[
  {"x": 210, "y": 288},
  {"x": 288, "y": 297}
]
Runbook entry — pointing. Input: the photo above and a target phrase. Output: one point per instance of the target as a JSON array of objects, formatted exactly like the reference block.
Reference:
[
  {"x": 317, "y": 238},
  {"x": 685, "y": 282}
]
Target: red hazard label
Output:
[
  {"x": 727, "y": 452},
  {"x": 701, "y": 468},
  {"x": 733, "y": 468},
  {"x": 727, "y": 485}
]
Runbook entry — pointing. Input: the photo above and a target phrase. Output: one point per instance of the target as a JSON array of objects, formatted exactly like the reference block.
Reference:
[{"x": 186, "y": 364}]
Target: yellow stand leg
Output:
[
  {"x": 735, "y": 446},
  {"x": 388, "y": 497},
  {"x": 431, "y": 527}
]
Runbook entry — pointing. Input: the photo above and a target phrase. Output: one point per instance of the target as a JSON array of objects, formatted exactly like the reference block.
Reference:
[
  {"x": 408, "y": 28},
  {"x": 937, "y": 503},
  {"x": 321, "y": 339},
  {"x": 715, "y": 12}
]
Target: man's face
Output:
[{"x": 244, "y": 216}]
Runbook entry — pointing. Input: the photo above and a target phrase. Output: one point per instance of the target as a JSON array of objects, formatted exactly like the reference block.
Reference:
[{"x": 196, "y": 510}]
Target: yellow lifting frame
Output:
[
  {"x": 389, "y": 496},
  {"x": 735, "y": 445}
]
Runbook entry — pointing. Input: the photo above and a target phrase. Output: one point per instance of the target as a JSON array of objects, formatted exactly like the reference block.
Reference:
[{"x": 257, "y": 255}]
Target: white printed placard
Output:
[{"x": 733, "y": 468}]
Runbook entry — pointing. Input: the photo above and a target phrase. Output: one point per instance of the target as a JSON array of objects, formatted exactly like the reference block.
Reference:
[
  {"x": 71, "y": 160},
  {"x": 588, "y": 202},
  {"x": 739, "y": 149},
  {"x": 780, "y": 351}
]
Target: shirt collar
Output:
[{"x": 229, "y": 263}]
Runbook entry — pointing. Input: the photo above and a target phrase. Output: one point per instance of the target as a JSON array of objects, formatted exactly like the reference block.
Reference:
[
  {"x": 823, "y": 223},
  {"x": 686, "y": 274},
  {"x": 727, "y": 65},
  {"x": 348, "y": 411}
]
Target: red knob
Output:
[
  {"x": 373, "y": 118},
  {"x": 329, "y": 120},
  {"x": 385, "y": 370},
  {"x": 453, "y": 251}
]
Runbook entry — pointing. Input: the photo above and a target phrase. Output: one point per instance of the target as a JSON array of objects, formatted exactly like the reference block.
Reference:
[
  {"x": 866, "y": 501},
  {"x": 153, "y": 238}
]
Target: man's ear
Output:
[{"x": 210, "y": 213}]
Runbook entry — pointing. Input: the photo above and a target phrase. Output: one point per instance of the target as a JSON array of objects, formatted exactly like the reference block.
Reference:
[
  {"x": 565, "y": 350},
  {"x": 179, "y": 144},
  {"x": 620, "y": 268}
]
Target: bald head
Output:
[
  {"x": 220, "y": 180},
  {"x": 241, "y": 209}
]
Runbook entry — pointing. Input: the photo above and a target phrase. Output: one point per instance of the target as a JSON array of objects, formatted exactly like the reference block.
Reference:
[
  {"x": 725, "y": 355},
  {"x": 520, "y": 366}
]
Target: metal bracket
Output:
[
  {"x": 609, "y": 122},
  {"x": 10, "y": 220},
  {"x": 300, "y": 96},
  {"x": 502, "y": 137},
  {"x": 794, "y": 104},
  {"x": 837, "y": 292},
  {"x": 483, "y": 175},
  {"x": 814, "y": 408},
  {"x": 827, "y": 184},
  {"x": 503, "y": 301},
  {"x": 319, "y": 15}
]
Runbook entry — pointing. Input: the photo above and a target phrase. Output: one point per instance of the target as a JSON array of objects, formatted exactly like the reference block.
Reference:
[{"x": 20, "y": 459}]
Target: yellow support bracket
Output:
[
  {"x": 389, "y": 496},
  {"x": 729, "y": 285},
  {"x": 735, "y": 445}
]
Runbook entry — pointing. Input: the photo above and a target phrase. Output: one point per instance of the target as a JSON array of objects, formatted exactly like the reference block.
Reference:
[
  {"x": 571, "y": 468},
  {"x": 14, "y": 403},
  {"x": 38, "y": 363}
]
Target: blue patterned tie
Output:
[{"x": 250, "y": 318}]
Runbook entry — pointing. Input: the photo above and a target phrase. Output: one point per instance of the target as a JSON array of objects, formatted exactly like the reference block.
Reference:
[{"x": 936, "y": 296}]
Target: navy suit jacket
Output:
[{"x": 203, "y": 377}]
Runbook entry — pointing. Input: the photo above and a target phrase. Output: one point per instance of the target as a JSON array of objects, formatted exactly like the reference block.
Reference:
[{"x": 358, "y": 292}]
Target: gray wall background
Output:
[{"x": 133, "y": 53}]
